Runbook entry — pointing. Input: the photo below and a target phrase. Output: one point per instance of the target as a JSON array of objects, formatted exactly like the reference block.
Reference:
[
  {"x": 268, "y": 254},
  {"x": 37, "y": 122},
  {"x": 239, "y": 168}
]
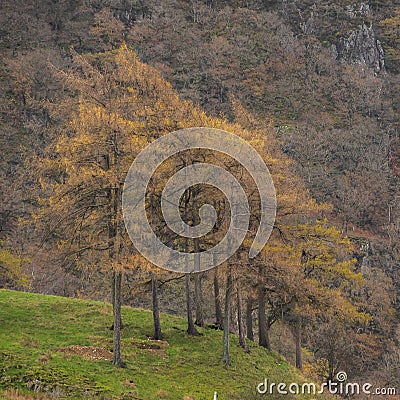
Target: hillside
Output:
[
  {"x": 43, "y": 343},
  {"x": 313, "y": 86}
]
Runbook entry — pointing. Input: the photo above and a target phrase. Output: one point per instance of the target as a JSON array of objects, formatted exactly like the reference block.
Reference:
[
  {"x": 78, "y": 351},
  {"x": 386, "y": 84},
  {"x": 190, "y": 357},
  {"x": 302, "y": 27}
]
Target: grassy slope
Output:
[{"x": 33, "y": 327}]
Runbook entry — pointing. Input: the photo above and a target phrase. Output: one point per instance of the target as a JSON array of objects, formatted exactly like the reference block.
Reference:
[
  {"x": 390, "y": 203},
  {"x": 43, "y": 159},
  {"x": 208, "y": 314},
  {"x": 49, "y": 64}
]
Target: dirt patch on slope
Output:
[{"x": 88, "y": 352}]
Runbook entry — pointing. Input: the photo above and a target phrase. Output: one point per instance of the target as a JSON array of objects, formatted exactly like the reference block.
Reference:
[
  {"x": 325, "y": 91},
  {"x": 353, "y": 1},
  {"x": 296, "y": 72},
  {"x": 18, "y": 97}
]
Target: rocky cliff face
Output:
[
  {"x": 328, "y": 21},
  {"x": 362, "y": 47}
]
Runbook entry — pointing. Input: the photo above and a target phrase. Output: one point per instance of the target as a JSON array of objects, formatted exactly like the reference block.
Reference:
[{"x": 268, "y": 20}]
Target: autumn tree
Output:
[
  {"x": 12, "y": 274},
  {"x": 85, "y": 167}
]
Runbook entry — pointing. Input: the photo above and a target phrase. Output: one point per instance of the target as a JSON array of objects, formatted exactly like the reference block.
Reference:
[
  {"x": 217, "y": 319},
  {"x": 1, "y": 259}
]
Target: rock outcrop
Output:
[{"x": 362, "y": 47}]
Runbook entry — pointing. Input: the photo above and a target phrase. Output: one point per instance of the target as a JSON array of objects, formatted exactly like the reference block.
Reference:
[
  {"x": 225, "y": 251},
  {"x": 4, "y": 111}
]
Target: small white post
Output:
[{"x": 215, "y": 396}]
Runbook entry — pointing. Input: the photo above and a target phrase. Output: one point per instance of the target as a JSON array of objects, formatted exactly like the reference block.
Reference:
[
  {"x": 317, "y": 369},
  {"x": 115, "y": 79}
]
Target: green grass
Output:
[{"x": 33, "y": 328}]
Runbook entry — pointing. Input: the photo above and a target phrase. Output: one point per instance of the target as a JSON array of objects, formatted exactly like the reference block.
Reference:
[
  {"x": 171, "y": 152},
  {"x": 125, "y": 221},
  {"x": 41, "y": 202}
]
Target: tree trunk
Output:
[
  {"x": 299, "y": 356},
  {"x": 263, "y": 334},
  {"x": 199, "y": 300},
  {"x": 198, "y": 294},
  {"x": 249, "y": 319},
  {"x": 113, "y": 252},
  {"x": 113, "y": 290},
  {"x": 191, "y": 330},
  {"x": 156, "y": 308},
  {"x": 113, "y": 300},
  {"x": 226, "y": 356},
  {"x": 117, "y": 361},
  {"x": 113, "y": 297},
  {"x": 242, "y": 335},
  {"x": 218, "y": 308}
]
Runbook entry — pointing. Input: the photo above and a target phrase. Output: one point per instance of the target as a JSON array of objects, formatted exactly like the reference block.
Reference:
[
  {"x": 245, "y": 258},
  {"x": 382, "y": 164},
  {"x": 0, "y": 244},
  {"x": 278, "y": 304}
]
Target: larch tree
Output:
[
  {"x": 116, "y": 105},
  {"x": 306, "y": 268}
]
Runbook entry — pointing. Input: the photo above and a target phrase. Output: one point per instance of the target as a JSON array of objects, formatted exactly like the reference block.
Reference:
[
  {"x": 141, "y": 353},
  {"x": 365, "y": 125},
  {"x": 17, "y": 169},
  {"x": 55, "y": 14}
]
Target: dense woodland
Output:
[{"x": 313, "y": 86}]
